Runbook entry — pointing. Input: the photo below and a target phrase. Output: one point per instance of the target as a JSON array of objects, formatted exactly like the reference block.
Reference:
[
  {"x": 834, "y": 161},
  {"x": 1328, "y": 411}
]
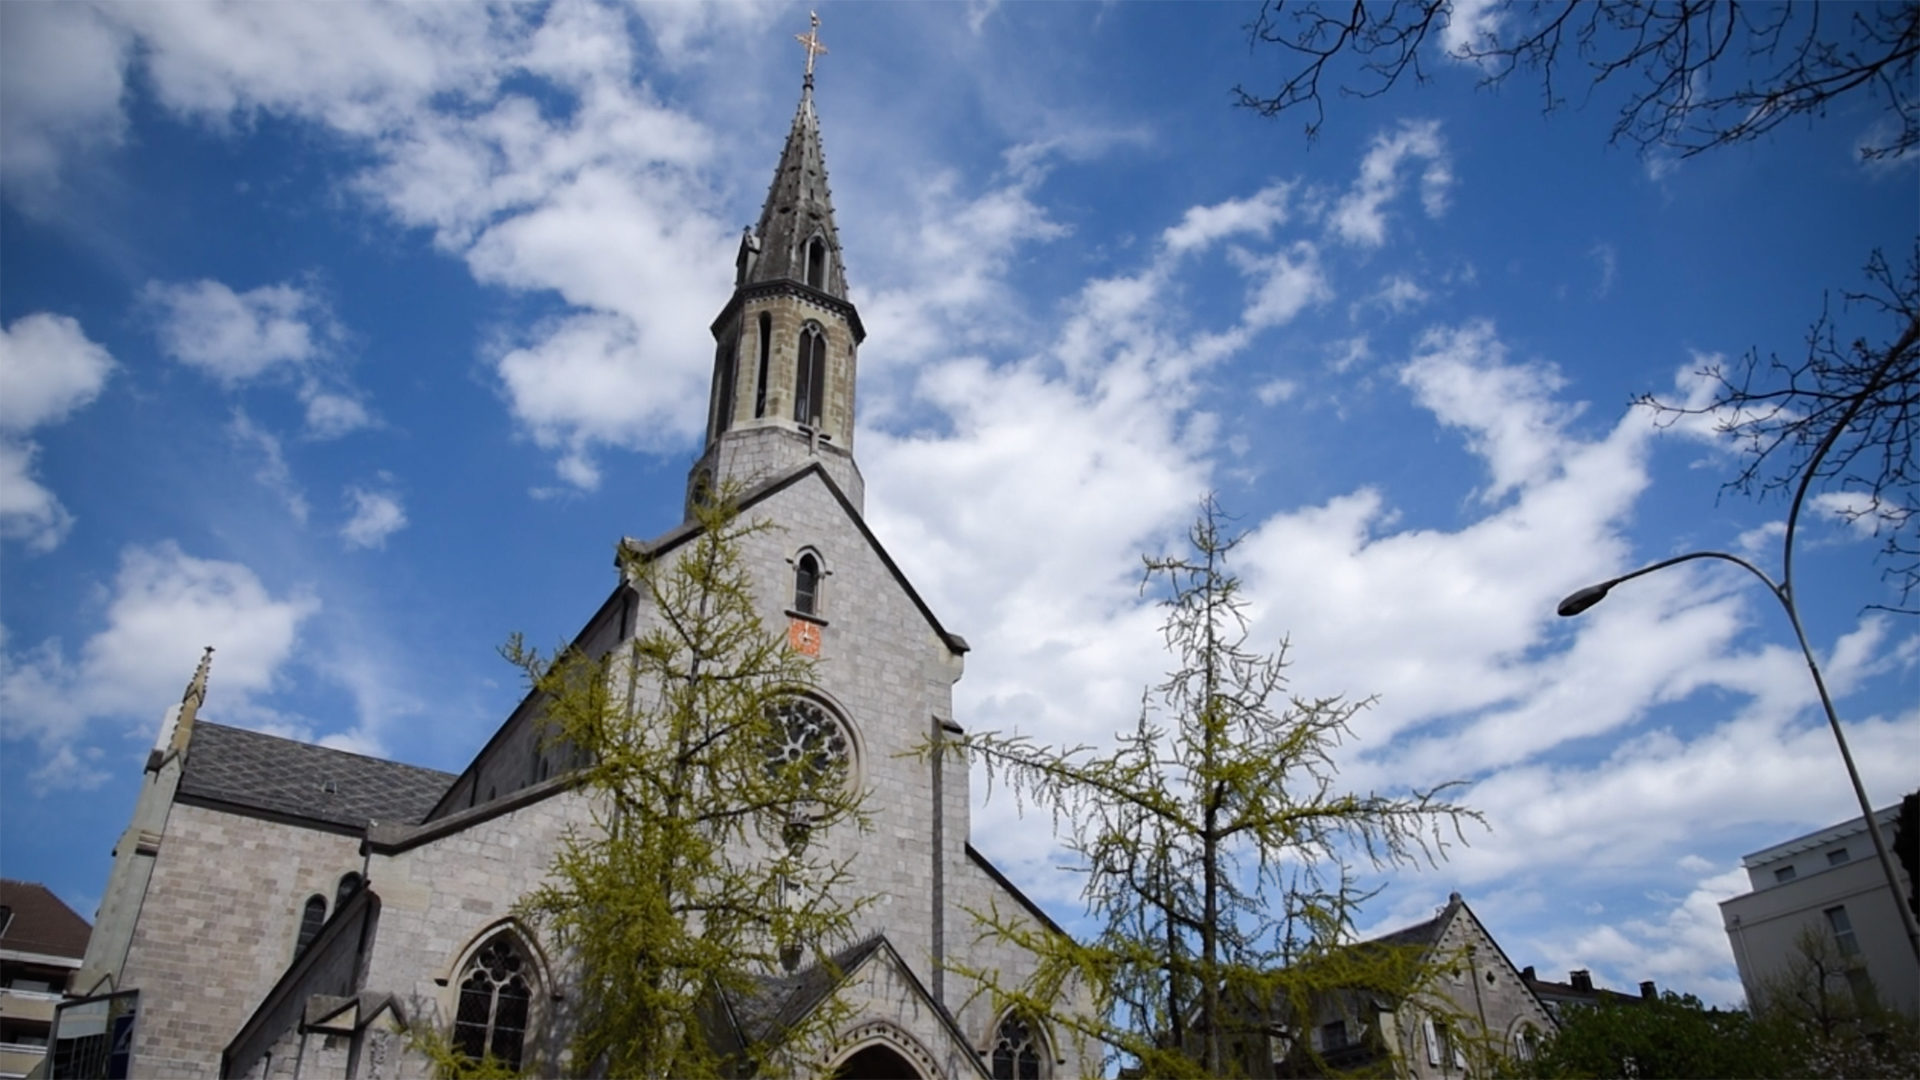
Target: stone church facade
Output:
[{"x": 277, "y": 909}]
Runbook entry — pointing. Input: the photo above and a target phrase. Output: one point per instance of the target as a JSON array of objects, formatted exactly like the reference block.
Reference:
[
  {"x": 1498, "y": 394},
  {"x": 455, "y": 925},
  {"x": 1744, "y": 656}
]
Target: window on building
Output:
[
  {"x": 1837, "y": 856},
  {"x": 806, "y": 584},
  {"x": 807, "y": 736},
  {"x": 1843, "y": 931},
  {"x": 1526, "y": 1043},
  {"x": 760, "y": 377},
  {"x": 1333, "y": 1036},
  {"x": 817, "y": 263},
  {"x": 496, "y": 996},
  {"x": 810, "y": 376},
  {"x": 1017, "y": 1053},
  {"x": 723, "y": 364},
  {"x": 1441, "y": 1048},
  {"x": 349, "y": 884},
  {"x": 1784, "y": 874},
  {"x": 312, "y": 917}
]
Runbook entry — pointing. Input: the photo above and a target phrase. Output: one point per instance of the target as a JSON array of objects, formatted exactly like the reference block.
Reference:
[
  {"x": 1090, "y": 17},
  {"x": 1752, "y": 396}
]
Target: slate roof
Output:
[
  {"x": 799, "y": 202},
  {"x": 780, "y": 1002},
  {"x": 37, "y": 921},
  {"x": 265, "y": 772}
]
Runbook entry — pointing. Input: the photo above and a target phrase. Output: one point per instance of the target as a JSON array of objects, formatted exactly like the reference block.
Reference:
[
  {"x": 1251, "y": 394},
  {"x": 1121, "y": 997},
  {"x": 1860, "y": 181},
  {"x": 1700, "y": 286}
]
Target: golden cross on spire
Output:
[{"x": 811, "y": 42}]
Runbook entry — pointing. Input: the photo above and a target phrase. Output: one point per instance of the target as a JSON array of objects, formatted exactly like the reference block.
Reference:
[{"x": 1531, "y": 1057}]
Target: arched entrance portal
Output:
[{"x": 877, "y": 1063}]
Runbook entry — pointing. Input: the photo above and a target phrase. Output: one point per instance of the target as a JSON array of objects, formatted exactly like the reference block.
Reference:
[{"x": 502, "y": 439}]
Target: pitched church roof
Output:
[
  {"x": 34, "y": 920},
  {"x": 281, "y": 777}
]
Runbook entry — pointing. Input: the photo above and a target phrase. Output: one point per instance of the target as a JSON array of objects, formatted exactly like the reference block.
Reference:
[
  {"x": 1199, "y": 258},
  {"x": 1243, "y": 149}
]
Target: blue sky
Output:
[{"x": 350, "y": 339}]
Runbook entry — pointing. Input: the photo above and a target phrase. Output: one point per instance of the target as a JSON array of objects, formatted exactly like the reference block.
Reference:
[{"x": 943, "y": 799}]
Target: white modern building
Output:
[{"x": 1830, "y": 880}]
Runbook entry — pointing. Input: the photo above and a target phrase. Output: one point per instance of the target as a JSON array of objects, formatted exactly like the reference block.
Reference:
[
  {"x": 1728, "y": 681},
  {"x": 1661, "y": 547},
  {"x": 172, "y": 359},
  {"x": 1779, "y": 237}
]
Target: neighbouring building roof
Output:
[
  {"x": 1581, "y": 990},
  {"x": 36, "y": 921},
  {"x": 247, "y": 769}
]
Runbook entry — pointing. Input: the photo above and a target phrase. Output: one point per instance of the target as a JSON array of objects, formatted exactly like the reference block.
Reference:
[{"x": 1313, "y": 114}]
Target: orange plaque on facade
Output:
[{"x": 803, "y": 637}]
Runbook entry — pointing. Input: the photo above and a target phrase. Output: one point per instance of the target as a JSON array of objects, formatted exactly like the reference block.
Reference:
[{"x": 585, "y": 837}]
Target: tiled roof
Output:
[
  {"x": 39, "y": 922},
  {"x": 266, "y": 772}
]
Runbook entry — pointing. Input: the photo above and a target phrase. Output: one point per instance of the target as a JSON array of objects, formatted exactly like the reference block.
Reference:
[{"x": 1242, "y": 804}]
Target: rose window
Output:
[{"x": 806, "y": 736}]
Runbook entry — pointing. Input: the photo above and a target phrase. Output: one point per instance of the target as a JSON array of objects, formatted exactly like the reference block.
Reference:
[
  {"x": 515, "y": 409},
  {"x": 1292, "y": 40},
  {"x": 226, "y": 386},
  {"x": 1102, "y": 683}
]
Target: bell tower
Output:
[{"x": 786, "y": 343}]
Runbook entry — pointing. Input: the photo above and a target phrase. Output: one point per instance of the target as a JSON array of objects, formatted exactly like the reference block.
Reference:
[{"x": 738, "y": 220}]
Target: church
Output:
[{"x": 278, "y": 909}]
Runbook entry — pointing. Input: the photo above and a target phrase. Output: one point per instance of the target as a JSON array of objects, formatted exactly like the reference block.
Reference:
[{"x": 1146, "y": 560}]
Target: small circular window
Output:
[{"x": 806, "y": 736}]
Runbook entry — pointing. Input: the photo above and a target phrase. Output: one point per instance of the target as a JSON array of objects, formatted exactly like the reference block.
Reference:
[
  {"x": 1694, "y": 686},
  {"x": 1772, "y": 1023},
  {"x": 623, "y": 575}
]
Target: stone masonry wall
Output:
[
  {"x": 441, "y": 898},
  {"x": 1479, "y": 995},
  {"x": 219, "y": 926}
]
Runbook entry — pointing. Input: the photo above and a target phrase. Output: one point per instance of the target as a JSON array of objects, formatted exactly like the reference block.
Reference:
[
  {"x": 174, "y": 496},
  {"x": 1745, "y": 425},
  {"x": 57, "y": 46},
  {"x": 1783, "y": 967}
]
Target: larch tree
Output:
[
  {"x": 706, "y": 777},
  {"x": 1218, "y": 849}
]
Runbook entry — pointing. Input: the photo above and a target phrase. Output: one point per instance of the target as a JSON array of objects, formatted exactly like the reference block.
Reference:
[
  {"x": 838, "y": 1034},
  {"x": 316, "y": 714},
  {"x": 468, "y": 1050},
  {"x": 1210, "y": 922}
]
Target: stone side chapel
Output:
[{"x": 277, "y": 909}]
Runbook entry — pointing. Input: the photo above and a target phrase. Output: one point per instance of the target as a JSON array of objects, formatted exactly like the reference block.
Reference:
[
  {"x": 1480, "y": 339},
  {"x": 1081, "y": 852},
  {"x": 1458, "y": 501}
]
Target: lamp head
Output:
[{"x": 1577, "y": 602}]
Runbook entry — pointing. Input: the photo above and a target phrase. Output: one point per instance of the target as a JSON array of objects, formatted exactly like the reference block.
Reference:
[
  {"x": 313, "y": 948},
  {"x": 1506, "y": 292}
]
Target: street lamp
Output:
[{"x": 1582, "y": 599}]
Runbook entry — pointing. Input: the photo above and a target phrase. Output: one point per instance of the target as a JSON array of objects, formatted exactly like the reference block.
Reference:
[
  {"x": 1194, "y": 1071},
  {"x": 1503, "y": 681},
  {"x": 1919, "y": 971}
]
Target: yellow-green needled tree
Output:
[{"x": 696, "y": 881}]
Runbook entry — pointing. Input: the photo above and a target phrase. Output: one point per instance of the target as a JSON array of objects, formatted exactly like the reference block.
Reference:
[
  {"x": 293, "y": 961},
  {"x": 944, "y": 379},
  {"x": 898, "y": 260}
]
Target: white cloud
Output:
[
  {"x": 64, "y": 770},
  {"x": 234, "y": 336},
  {"x": 1286, "y": 283},
  {"x": 1398, "y": 294},
  {"x": 273, "y": 330},
  {"x": 586, "y": 381},
  {"x": 273, "y": 473},
  {"x": 28, "y": 511},
  {"x": 1359, "y": 217},
  {"x": 1858, "y": 510},
  {"x": 1508, "y": 410},
  {"x": 376, "y": 516},
  {"x": 48, "y": 369},
  {"x": 331, "y": 413},
  {"x": 1471, "y": 24},
  {"x": 1275, "y": 391},
  {"x": 1608, "y": 260},
  {"x": 1203, "y": 225},
  {"x": 1674, "y": 950},
  {"x": 61, "y": 78},
  {"x": 164, "y": 606}
]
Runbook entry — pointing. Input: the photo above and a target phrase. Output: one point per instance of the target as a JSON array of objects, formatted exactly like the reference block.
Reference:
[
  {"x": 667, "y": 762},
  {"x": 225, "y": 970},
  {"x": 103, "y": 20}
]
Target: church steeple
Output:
[{"x": 783, "y": 373}]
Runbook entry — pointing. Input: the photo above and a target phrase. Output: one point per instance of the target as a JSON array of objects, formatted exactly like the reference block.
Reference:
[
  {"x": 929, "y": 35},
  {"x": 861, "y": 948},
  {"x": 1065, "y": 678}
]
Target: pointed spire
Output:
[
  {"x": 799, "y": 206},
  {"x": 190, "y": 702}
]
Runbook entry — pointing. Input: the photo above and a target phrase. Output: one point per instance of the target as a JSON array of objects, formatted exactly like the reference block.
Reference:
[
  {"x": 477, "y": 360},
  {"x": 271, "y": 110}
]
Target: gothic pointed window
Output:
[
  {"x": 723, "y": 362},
  {"x": 817, "y": 263},
  {"x": 810, "y": 376},
  {"x": 1017, "y": 1053},
  {"x": 312, "y": 917},
  {"x": 496, "y": 996},
  {"x": 760, "y": 379},
  {"x": 349, "y": 884},
  {"x": 806, "y": 584}
]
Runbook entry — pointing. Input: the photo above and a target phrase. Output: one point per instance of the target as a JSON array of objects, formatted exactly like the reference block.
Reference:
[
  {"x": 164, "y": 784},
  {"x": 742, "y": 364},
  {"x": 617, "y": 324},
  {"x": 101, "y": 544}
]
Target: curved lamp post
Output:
[{"x": 1581, "y": 600}]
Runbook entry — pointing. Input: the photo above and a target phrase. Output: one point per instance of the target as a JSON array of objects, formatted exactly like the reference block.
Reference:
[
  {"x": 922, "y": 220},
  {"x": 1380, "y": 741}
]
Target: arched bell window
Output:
[
  {"x": 496, "y": 998},
  {"x": 817, "y": 263},
  {"x": 810, "y": 376},
  {"x": 349, "y": 884},
  {"x": 1018, "y": 1053},
  {"x": 806, "y": 584},
  {"x": 760, "y": 378},
  {"x": 723, "y": 363},
  {"x": 312, "y": 917}
]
